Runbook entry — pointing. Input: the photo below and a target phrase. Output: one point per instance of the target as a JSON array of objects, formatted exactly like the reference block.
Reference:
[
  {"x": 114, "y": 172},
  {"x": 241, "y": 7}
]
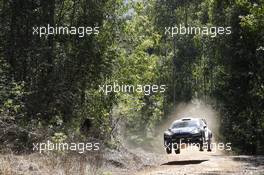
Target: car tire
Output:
[
  {"x": 177, "y": 151},
  {"x": 168, "y": 147},
  {"x": 201, "y": 145},
  {"x": 168, "y": 150},
  {"x": 209, "y": 147}
]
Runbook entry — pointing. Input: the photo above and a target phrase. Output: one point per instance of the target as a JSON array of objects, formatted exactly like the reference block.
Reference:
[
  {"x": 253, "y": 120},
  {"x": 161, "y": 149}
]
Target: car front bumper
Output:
[{"x": 184, "y": 138}]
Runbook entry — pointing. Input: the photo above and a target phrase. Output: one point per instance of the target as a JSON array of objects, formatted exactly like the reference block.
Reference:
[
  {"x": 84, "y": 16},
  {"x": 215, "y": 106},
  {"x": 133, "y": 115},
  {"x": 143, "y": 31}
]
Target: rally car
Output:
[{"x": 188, "y": 131}]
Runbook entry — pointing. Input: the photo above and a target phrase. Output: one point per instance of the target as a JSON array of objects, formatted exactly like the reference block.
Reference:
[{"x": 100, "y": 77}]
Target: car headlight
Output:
[
  {"x": 167, "y": 135},
  {"x": 195, "y": 131}
]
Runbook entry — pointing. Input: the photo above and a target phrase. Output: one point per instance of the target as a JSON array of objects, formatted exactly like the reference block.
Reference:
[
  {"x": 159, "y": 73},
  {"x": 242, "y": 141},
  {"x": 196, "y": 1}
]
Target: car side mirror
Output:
[
  {"x": 204, "y": 127},
  {"x": 169, "y": 129}
]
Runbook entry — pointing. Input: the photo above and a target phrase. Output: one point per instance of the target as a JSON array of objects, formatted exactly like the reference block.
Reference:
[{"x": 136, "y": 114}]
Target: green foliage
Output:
[
  {"x": 228, "y": 69},
  {"x": 53, "y": 82},
  {"x": 11, "y": 93},
  {"x": 59, "y": 137},
  {"x": 139, "y": 65}
]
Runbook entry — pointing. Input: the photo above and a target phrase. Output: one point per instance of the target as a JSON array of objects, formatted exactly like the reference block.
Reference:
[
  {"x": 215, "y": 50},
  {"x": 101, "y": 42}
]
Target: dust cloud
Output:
[{"x": 194, "y": 109}]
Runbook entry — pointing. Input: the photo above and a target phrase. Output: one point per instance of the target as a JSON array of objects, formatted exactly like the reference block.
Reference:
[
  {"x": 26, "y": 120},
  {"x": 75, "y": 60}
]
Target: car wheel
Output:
[
  {"x": 209, "y": 149},
  {"x": 177, "y": 151},
  {"x": 168, "y": 150},
  {"x": 201, "y": 145},
  {"x": 168, "y": 146}
]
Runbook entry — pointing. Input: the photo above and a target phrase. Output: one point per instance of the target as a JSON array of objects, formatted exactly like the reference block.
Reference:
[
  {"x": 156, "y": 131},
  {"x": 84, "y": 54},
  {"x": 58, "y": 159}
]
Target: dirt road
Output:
[
  {"x": 138, "y": 162},
  {"x": 213, "y": 163}
]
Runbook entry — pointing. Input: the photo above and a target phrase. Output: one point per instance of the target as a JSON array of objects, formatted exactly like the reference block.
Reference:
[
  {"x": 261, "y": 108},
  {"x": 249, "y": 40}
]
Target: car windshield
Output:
[{"x": 182, "y": 124}]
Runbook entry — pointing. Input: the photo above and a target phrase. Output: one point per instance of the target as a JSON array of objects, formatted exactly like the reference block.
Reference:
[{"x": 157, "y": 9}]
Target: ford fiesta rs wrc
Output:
[{"x": 187, "y": 131}]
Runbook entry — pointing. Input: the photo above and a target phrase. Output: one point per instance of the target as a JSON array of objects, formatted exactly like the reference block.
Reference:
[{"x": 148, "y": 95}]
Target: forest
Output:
[{"x": 50, "y": 85}]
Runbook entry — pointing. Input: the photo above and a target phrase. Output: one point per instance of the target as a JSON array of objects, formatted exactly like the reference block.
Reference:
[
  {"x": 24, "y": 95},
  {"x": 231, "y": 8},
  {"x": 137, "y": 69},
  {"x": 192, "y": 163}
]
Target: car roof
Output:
[{"x": 187, "y": 119}]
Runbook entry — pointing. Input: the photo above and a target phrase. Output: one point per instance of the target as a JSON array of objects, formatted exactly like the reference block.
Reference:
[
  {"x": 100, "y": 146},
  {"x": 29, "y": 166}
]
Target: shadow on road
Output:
[{"x": 184, "y": 162}]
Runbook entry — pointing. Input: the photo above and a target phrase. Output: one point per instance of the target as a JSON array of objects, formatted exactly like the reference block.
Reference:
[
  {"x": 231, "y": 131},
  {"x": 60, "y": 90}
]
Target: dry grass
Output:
[
  {"x": 5, "y": 168},
  {"x": 36, "y": 164}
]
